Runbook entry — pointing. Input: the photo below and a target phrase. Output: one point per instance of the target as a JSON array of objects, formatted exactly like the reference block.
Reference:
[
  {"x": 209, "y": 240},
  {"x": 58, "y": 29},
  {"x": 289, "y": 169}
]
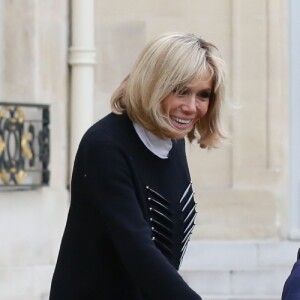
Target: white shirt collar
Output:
[{"x": 158, "y": 146}]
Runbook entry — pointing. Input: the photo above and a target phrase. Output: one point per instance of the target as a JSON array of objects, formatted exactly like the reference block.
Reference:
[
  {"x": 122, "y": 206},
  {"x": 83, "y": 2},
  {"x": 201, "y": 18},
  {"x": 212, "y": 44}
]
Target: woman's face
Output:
[{"x": 185, "y": 107}]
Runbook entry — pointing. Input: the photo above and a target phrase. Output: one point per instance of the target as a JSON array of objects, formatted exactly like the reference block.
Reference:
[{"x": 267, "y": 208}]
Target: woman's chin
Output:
[{"x": 179, "y": 134}]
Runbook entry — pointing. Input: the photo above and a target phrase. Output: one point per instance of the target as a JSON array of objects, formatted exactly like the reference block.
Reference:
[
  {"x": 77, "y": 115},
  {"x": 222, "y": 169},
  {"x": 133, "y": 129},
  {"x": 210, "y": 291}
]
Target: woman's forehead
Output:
[{"x": 204, "y": 78}]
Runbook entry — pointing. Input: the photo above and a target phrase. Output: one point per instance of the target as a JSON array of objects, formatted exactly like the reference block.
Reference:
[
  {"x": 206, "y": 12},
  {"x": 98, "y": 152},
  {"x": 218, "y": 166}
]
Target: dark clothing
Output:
[
  {"x": 291, "y": 290},
  {"x": 129, "y": 222}
]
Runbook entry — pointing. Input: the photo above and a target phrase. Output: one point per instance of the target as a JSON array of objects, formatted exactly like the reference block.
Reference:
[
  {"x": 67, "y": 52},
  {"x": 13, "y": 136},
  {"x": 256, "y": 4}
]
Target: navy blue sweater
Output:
[{"x": 130, "y": 219}]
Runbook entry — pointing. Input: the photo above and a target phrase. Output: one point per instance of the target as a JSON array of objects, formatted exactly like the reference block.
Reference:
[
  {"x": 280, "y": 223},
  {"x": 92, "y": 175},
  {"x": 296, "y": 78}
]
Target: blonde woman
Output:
[{"x": 132, "y": 206}]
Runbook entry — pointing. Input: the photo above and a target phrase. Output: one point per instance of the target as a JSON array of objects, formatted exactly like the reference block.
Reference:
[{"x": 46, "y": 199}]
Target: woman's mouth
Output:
[{"x": 180, "y": 123}]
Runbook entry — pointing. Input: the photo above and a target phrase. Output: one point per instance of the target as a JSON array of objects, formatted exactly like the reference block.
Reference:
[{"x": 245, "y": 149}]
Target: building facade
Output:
[{"x": 247, "y": 190}]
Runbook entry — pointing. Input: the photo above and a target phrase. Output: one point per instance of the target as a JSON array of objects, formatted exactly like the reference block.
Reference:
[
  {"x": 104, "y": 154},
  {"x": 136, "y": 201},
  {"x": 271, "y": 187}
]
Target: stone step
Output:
[
  {"x": 244, "y": 270},
  {"x": 238, "y": 284},
  {"x": 240, "y": 255}
]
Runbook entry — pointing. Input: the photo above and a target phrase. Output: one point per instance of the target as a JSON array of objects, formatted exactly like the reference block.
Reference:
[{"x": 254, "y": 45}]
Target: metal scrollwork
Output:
[{"x": 21, "y": 138}]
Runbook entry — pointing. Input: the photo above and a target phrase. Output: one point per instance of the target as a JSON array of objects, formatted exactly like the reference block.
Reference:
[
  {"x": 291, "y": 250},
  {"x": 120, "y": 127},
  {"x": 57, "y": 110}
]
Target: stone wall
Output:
[{"x": 35, "y": 70}]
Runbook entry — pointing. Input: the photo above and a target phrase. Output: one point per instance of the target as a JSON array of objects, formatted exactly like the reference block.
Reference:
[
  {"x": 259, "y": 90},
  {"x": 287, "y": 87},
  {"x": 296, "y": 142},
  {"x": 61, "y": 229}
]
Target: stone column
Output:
[{"x": 82, "y": 60}]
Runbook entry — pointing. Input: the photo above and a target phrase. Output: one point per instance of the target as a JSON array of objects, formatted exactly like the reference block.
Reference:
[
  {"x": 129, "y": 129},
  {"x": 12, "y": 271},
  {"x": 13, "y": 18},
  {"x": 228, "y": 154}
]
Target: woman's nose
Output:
[{"x": 190, "y": 104}]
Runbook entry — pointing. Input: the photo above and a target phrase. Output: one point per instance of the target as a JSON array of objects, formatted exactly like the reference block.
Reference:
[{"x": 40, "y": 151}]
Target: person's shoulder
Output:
[
  {"x": 296, "y": 269},
  {"x": 110, "y": 128}
]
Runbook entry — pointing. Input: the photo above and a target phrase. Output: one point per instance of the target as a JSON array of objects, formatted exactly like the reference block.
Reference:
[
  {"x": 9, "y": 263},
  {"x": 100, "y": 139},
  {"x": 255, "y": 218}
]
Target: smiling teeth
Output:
[{"x": 182, "y": 121}]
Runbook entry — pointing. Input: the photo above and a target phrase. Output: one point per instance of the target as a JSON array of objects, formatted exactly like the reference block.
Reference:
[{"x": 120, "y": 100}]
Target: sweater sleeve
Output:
[{"x": 113, "y": 194}]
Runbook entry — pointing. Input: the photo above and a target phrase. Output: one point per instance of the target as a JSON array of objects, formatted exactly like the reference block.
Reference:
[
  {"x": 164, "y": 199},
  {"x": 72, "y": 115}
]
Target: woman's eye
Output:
[{"x": 204, "y": 95}]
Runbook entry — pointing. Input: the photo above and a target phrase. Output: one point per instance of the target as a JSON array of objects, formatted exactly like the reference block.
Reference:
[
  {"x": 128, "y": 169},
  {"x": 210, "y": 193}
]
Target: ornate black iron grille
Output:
[{"x": 24, "y": 145}]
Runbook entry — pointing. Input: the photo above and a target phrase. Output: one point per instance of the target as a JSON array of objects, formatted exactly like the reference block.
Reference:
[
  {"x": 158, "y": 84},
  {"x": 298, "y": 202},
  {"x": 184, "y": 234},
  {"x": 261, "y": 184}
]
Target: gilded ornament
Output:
[
  {"x": 21, "y": 115},
  {"x": 3, "y": 112},
  {"x": 13, "y": 170},
  {"x": 4, "y": 177},
  {"x": 2, "y": 145},
  {"x": 26, "y": 150},
  {"x": 20, "y": 176}
]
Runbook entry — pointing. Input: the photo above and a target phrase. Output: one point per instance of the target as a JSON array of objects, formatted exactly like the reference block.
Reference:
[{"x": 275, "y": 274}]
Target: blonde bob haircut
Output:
[{"x": 167, "y": 64}]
